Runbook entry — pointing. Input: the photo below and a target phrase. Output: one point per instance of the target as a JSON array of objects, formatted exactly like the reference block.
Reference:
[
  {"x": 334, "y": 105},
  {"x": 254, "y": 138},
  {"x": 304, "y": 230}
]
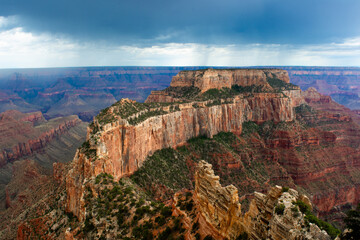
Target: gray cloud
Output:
[{"x": 145, "y": 23}]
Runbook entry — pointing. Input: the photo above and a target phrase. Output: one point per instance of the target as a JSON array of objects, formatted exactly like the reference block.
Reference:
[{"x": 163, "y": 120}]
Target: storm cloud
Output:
[
  {"x": 197, "y": 21},
  {"x": 75, "y": 30}
]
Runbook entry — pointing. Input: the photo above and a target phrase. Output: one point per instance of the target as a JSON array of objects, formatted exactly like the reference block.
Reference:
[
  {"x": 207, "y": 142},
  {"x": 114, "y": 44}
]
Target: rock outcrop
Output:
[
  {"x": 218, "y": 205},
  {"x": 121, "y": 146},
  {"x": 200, "y": 81},
  {"x": 219, "y": 78},
  {"x": 341, "y": 83},
  {"x": 272, "y": 216}
]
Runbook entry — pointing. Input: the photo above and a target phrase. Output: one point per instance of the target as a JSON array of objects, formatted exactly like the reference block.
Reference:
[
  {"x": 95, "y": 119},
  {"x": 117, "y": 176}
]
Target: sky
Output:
[{"x": 49, "y": 33}]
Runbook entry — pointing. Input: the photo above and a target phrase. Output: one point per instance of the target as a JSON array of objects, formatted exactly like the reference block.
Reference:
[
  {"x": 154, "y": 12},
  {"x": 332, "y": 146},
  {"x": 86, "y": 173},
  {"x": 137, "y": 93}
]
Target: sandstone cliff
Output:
[
  {"x": 273, "y": 138},
  {"x": 220, "y": 78},
  {"x": 123, "y": 135},
  {"x": 190, "y": 84},
  {"x": 218, "y": 205},
  {"x": 119, "y": 148}
]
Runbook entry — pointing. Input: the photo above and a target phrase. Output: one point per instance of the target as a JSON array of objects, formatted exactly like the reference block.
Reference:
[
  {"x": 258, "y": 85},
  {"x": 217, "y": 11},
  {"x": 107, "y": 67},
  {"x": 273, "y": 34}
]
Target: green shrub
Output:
[
  {"x": 160, "y": 220},
  {"x": 243, "y": 236},
  {"x": 304, "y": 109},
  {"x": 352, "y": 222},
  {"x": 197, "y": 236},
  {"x": 279, "y": 209},
  {"x": 165, "y": 234},
  {"x": 88, "y": 225},
  {"x": 166, "y": 212},
  {"x": 278, "y": 84},
  {"x": 208, "y": 237},
  {"x": 310, "y": 217},
  {"x": 304, "y": 208},
  {"x": 248, "y": 89},
  {"x": 249, "y": 128}
]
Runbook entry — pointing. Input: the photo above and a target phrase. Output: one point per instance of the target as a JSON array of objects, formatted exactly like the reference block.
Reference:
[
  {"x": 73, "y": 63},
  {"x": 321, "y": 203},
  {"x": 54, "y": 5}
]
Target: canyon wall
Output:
[
  {"x": 121, "y": 148},
  {"x": 22, "y": 135},
  {"x": 219, "y": 78},
  {"x": 341, "y": 83}
]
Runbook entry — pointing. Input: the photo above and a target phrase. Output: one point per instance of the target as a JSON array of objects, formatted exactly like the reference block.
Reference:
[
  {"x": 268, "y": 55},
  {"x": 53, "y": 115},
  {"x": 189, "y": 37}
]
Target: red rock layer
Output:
[
  {"x": 159, "y": 96},
  {"x": 19, "y": 136},
  {"x": 121, "y": 148},
  {"x": 216, "y": 78}
]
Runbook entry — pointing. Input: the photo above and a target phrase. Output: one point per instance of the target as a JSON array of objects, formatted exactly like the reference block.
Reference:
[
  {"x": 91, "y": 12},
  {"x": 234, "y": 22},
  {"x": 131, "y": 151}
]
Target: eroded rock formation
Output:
[
  {"x": 220, "y": 208},
  {"x": 219, "y": 78},
  {"x": 218, "y": 205},
  {"x": 121, "y": 147},
  {"x": 206, "y": 79},
  {"x": 23, "y": 134}
]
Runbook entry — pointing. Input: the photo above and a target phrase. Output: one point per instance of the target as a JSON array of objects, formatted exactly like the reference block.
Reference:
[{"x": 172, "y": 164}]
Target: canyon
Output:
[
  {"x": 120, "y": 148},
  {"x": 256, "y": 129},
  {"x": 30, "y": 145},
  {"x": 78, "y": 91},
  {"x": 25, "y": 133}
]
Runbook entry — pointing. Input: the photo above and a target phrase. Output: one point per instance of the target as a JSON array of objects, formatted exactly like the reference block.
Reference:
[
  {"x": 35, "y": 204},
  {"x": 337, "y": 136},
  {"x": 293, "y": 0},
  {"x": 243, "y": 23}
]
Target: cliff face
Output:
[
  {"x": 32, "y": 144},
  {"x": 219, "y": 207},
  {"x": 188, "y": 84},
  {"x": 121, "y": 148},
  {"x": 216, "y": 78}
]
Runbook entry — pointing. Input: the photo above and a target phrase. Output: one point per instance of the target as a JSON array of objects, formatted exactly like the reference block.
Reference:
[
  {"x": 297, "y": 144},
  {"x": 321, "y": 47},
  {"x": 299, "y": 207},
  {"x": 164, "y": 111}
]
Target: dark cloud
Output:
[{"x": 199, "y": 21}]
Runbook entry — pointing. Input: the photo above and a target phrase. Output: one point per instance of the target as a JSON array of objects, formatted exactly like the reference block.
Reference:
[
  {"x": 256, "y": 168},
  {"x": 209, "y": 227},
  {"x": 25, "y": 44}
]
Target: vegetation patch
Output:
[
  {"x": 304, "y": 109},
  {"x": 183, "y": 92},
  {"x": 165, "y": 167},
  {"x": 278, "y": 84},
  {"x": 279, "y": 209},
  {"x": 249, "y": 127},
  {"x": 127, "y": 108},
  {"x": 310, "y": 217},
  {"x": 352, "y": 221},
  {"x": 120, "y": 208},
  {"x": 88, "y": 150}
]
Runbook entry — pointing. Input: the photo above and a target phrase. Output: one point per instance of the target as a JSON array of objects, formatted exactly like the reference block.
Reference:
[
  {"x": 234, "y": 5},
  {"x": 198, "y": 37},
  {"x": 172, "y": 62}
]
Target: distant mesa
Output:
[{"x": 194, "y": 84}]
